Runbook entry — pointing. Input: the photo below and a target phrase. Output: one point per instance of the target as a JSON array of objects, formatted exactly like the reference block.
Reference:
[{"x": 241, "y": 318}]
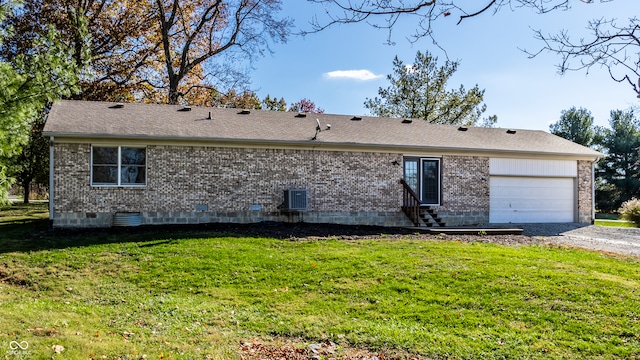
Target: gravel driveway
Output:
[{"x": 617, "y": 240}]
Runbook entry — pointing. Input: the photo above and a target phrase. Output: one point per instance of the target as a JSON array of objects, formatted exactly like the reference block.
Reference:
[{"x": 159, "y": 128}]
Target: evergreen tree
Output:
[
  {"x": 419, "y": 91},
  {"x": 274, "y": 104},
  {"x": 618, "y": 179},
  {"x": 575, "y": 125}
]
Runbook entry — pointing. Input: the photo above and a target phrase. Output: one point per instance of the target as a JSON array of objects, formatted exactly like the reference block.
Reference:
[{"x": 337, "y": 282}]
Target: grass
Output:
[
  {"x": 604, "y": 219},
  {"x": 17, "y": 219},
  {"x": 198, "y": 295},
  {"x": 23, "y": 213},
  {"x": 615, "y": 223}
]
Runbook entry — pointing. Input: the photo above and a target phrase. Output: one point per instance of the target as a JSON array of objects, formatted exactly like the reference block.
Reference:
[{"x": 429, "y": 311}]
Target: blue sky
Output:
[{"x": 524, "y": 93}]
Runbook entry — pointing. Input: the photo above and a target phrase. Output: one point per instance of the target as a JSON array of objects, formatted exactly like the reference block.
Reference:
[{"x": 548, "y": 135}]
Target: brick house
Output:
[{"x": 130, "y": 164}]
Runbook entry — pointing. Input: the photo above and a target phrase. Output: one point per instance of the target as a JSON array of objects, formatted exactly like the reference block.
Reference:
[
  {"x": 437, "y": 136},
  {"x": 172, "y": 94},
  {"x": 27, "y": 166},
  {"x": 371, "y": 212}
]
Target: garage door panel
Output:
[
  {"x": 533, "y": 167},
  {"x": 529, "y": 199}
]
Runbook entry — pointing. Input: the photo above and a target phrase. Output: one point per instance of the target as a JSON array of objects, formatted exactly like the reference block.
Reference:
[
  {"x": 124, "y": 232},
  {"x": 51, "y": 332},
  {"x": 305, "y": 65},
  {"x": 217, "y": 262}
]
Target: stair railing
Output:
[{"x": 410, "y": 203}]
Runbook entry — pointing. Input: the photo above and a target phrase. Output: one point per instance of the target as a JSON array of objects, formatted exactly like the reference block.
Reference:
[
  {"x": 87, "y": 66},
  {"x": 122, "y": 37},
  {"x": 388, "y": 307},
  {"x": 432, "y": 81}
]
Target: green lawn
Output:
[
  {"x": 603, "y": 219},
  {"x": 199, "y": 295},
  {"x": 615, "y": 223}
]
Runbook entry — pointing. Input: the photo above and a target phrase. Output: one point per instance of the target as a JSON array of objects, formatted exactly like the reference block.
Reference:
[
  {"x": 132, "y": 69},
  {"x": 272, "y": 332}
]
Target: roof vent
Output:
[
  {"x": 116, "y": 106},
  {"x": 301, "y": 115},
  {"x": 407, "y": 121},
  {"x": 185, "y": 109},
  {"x": 244, "y": 112},
  {"x": 511, "y": 131},
  {"x": 356, "y": 118},
  {"x": 462, "y": 128}
]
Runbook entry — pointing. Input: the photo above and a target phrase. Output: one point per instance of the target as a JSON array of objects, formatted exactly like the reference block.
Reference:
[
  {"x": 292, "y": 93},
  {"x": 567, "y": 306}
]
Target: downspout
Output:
[{"x": 51, "y": 183}]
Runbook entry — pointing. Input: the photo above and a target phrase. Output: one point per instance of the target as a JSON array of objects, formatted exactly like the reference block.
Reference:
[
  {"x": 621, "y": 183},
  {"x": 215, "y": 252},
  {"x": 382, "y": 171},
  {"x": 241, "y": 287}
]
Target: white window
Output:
[{"x": 118, "y": 166}]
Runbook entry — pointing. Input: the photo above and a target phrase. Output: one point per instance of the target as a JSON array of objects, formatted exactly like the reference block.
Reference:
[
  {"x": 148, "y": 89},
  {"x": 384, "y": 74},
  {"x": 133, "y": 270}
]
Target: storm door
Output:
[
  {"x": 423, "y": 176},
  {"x": 430, "y": 182}
]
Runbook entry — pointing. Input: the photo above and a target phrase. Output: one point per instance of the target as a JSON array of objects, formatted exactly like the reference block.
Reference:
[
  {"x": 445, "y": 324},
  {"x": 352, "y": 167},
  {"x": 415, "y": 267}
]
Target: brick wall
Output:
[
  {"x": 585, "y": 192},
  {"x": 201, "y": 184},
  {"x": 210, "y": 184},
  {"x": 465, "y": 190}
]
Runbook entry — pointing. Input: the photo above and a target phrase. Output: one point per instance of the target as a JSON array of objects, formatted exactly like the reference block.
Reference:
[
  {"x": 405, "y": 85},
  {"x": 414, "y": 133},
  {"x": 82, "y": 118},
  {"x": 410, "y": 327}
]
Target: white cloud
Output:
[{"x": 363, "y": 75}]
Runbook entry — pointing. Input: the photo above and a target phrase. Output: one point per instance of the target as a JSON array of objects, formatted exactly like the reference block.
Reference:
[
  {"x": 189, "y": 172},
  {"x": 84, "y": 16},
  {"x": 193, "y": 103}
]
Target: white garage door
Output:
[{"x": 531, "y": 199}]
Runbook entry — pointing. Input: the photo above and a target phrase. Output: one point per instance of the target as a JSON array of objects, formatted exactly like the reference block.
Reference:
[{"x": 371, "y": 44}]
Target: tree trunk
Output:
[
  {"x": 174, "y": 94},
  {"x": 27, "y": 190}
]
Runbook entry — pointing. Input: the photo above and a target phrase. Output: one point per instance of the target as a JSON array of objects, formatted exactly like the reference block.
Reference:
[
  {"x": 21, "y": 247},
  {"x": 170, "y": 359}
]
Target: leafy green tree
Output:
[
  {"x": 31, "y": 164},
  {"x": 618, "y": 178},
  {"x": 232, "y": 99},
  {"x": 419, "y": 91},
  {"x": 44, "y": 73},
  {"x": 274, "y": 104},
  {"x": 575, "y": 125},
  {"x": 155, "y": 51},
  {"x": 122, "y": 48}
]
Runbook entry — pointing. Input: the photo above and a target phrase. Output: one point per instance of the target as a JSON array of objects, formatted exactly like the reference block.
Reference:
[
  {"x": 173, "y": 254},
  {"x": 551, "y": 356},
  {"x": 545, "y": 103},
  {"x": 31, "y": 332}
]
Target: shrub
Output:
[{"x": 630, "y": 210}]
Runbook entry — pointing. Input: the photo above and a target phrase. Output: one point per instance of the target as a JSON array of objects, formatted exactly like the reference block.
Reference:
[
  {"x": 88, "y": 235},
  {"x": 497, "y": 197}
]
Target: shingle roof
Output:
[{"x": 85, "y": 119}]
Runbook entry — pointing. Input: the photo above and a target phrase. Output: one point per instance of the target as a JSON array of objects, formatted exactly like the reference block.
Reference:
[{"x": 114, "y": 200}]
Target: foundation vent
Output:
[{"x": 127, "y": 219}]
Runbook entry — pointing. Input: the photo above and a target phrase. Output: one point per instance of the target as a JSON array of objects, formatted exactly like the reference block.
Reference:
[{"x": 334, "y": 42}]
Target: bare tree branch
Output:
[
  {"x": 198, "y": 31},
  {"x": 385, "y": 13},
  {"x": 614, "y": 47}
]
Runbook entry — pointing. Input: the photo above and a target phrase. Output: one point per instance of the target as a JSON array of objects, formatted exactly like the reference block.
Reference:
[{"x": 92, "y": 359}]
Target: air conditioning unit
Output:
[{"x": 295, "y": 200}]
